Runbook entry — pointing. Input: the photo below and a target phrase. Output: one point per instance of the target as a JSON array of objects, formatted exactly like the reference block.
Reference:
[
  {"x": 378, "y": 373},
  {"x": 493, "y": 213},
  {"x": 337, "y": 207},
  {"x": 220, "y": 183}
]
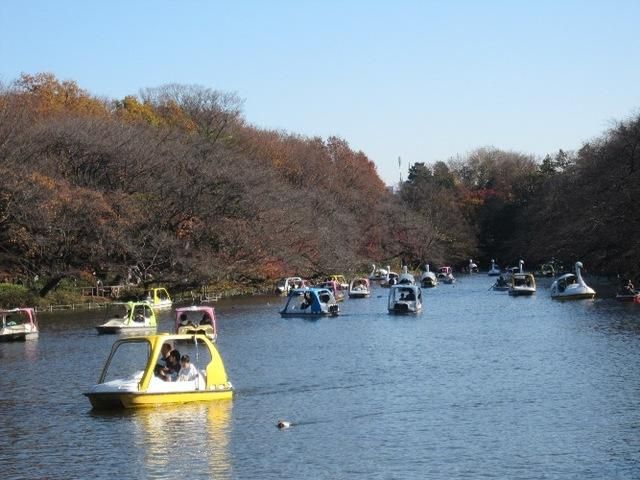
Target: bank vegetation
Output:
[{"x": 175, "y": 186}]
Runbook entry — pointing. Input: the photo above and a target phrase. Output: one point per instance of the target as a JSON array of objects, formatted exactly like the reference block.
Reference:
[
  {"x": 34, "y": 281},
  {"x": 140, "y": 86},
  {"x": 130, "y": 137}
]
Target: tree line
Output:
[{"x": 174, "y": 185}]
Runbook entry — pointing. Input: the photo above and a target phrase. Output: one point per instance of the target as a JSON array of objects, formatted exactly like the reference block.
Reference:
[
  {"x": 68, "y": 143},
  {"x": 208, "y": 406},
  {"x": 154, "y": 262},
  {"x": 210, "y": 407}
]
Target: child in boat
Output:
[{"x": 188, "y": 370}]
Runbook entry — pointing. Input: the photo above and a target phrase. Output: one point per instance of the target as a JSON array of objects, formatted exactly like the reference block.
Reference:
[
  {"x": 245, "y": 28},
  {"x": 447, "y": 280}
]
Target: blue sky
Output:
[{"x": 424, "y": 80}]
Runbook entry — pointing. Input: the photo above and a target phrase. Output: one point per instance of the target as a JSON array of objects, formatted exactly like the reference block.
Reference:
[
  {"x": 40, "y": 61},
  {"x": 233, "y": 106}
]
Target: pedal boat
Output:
[
  {"x": 359, "y": 288},
  {"x": 142, "y": 388},
  {"x": 159, "y": 298},
  {"x": 129, "y": 317},
  {"x": 494, "y": 271},
  {"x": 428, "y": 279},
  {"x": 572, "y": 287},
  {"x": 18, "y": 324},
  {"x": 405, "y": 298},
  {"x": 342, "y": 282},
  {"x": 285, "y": 285},
  {"x": 335, "y": 288},
  {"x": 521, "y": 283},
  {"x": 445, "y": 275},
  {"x": 310, "y": 302},
  {"x": 196, "y": 319}
]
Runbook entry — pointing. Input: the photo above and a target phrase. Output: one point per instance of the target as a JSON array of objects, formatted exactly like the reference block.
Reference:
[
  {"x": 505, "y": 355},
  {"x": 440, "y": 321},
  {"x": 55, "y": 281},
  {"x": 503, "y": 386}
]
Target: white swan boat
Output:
[
  {"x": 391, "y": 278},
  {"x": 494, "y": 271},
  {"x": 428, "y": 278},
  {"x": 522, "y": 283},
  {"x": 359, "y": 288},
  {"x": 405, "y": 278},
  {"x": 405, "y": 298},
  {"x": 18, "y": 324},
  {"x": 378, "y": 274},
  {"x": 572, "y": 287},
  {"x": 473, "y": 266}
]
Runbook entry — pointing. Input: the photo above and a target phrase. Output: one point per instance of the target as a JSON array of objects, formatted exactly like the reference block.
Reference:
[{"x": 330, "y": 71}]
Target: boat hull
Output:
[
  {"x": 309, "y": 315},
  {"x": 402, "y": 308},
  {"x": 577, "y": 296},
  {"x": 358, "y": 294},
  {"x": 116, "y": 329},
  {"x": 120, "y": 400},
  {"x": 521, "y": 292},
  {"x": 628, "y": 298}
]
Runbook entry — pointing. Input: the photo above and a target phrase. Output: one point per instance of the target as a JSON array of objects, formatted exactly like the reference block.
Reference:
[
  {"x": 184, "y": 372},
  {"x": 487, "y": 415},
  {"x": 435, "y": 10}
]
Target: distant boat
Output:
[
  {"x": 18, "y": 324},
  {"x": 390, "y": 279},
  {"x": 342, "y": 282},
  {"x": 310, "y": 302},
  {"x": 428, "y": 278},
  {"x": 445, "y": 275},
  {"x": 522, "y": 283},
  {"x": 196, "y": 320},
  {"x": 572, "y": 287},
  {"x": 128, "y": 317},
  {"x": 473, "y": 266},
  {"x": 494, "y": 271},
  {"x": 359, "y": 288},
  {"x": 405, "y": 278},
  {"x": 286, "y": 284},
  {"x": 335, "y": 287},
  {"x": 159, "y": 298},
  {"x": 377, "y": 273},
  {"x": 501, "y": 285}
]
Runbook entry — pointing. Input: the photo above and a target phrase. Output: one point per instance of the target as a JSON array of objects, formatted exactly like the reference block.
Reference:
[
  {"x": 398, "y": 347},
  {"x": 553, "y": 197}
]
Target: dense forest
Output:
[{"x": 174, "y": 185}]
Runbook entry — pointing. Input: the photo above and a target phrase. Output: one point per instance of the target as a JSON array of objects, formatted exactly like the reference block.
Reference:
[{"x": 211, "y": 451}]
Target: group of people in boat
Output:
[
  {"x": 173, "y": 367},
  {"x": 205, "y": 320}
]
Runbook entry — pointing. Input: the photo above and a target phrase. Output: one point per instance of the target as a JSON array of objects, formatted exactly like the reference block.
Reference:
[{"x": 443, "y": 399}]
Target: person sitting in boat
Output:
[
  {"x": 169, "y": 372},
  {"x": 629, "y": 288},
  {"x": 410, "y": 297},
  {"x": 206, "y": 319},
  {"x": 173, "y": 366},
  {"x": 306, "y": 301},
  {"x": 501, "y": 282},
  {"x": 138, "y": 315},
  {"x": 165, "y": 350},
  {"x": 183, "y": 320},
  {"x": 187, "y": 371}
]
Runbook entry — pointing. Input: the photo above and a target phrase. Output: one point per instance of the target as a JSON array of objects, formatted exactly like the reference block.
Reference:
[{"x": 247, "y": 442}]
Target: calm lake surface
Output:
[{"x": 479, "y": 385}]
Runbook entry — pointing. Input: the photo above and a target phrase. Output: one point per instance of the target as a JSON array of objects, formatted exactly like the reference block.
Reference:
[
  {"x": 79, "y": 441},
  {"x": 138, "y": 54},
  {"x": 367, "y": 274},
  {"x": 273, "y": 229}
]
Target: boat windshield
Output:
[
  {"x": 404, "y": 294},
  {"x": 117, "y": 310},
  {"x": 522, "y": 281},
  {"x": 162, "y": 294},
  {"x": 10, "y": 319},
  {"x": 127, "y": 361}
]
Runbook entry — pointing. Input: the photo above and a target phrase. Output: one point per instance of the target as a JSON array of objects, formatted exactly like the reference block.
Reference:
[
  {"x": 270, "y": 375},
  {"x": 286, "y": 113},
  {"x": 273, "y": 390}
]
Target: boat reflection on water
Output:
[{"x": 179, "y": 438}]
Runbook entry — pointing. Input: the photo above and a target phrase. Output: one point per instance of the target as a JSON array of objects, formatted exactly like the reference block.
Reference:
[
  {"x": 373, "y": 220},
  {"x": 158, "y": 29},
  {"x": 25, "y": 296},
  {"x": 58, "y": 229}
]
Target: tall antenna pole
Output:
[{"x": 400, "y": 168}]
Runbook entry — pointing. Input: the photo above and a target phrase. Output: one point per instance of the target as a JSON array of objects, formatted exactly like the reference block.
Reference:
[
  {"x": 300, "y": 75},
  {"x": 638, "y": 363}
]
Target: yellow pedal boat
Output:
[{"x": 131, "y": 375}]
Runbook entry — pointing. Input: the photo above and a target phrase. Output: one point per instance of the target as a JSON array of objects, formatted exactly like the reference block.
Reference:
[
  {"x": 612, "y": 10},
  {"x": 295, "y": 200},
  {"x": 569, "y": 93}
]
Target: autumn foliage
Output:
[{"x": 174, "y": 185}]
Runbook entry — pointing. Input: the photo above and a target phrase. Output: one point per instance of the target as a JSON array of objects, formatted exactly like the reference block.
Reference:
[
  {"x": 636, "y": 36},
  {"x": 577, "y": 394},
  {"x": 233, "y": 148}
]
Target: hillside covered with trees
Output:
[{"x": 174, "y": 185}]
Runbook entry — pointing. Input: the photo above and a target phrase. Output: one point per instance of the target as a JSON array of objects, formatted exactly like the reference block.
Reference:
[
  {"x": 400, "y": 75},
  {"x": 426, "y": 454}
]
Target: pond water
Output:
[{"x": 478, "y": 385}]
